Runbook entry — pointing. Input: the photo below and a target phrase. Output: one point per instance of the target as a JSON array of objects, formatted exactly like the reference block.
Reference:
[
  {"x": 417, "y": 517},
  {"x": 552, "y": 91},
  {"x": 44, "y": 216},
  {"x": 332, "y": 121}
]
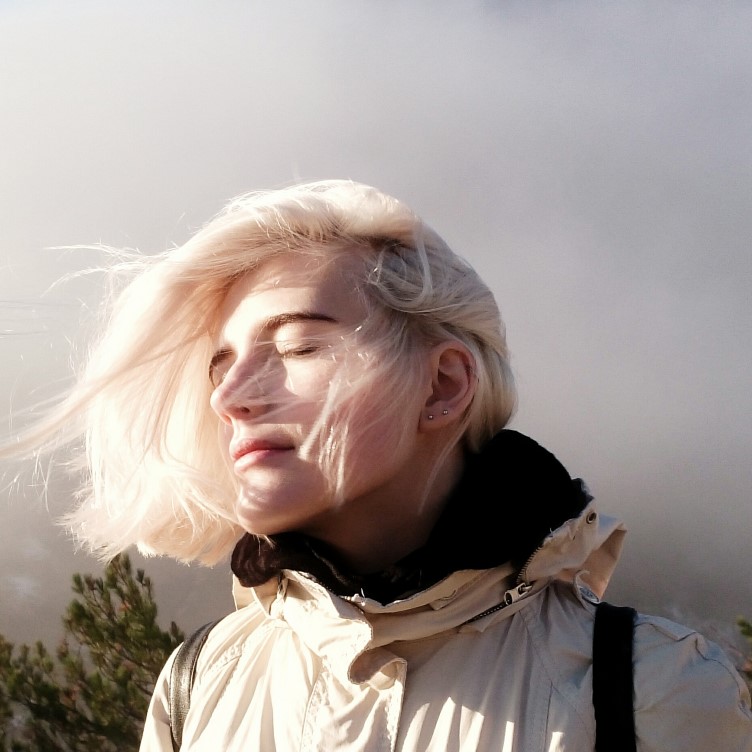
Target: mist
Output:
[{"x": 591, "y": 160}]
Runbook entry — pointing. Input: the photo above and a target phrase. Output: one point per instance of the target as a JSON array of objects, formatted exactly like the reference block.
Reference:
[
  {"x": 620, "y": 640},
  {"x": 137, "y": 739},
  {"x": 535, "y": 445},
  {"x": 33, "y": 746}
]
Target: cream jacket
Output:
[{"x": 480, "y": 661}]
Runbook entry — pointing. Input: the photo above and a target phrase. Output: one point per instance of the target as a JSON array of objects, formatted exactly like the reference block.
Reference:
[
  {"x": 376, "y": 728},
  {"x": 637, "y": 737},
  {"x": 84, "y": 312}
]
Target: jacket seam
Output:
[{"x": 530, "y": 620}]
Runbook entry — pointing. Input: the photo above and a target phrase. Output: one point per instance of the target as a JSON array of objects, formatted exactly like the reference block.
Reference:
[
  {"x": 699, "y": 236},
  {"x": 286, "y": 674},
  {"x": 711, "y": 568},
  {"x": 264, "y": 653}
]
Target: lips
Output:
[{"x": 249, "y": 450}]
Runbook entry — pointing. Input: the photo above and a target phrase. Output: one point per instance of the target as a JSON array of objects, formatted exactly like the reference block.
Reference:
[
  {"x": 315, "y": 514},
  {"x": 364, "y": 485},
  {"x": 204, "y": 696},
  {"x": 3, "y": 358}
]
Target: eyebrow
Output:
[
  {"x": 281, "y": 319},
  {"x": 271, "y": 325}
]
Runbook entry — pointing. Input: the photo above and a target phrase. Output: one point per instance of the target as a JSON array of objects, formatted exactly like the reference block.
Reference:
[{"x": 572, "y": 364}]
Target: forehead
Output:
[{"x": 289, "y": 284}]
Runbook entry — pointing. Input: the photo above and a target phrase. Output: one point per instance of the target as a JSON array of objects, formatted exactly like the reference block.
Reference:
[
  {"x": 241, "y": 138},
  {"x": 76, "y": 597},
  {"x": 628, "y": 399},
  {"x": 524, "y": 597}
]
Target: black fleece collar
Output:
[{"x": 510, "y": 497}]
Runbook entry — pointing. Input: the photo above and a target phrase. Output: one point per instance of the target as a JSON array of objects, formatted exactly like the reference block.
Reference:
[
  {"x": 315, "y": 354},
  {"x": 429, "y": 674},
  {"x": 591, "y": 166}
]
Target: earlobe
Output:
[{"x": 452, "y": 369}]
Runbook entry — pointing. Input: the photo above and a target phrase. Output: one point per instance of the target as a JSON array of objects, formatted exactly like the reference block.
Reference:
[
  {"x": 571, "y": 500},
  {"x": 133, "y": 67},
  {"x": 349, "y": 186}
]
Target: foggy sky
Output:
[{"x": 592, "y": 160}]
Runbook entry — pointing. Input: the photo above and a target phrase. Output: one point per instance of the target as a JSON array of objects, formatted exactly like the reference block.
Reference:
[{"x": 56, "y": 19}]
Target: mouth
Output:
[{"x": 246, "y": 452}]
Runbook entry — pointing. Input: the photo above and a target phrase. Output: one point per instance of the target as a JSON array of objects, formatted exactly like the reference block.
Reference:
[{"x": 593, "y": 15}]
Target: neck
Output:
[{"x": 371, "y": 533}]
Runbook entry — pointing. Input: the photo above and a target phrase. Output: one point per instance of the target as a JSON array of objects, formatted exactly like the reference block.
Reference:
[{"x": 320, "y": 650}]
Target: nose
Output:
[{"x": 241, "y": 395}]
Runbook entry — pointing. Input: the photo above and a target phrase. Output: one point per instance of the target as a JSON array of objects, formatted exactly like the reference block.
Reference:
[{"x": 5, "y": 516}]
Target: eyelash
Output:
[
  {"x": 298, "y": 351},
  {"x": 217, "y": 374},
  {"x": 215, "y": 378}
]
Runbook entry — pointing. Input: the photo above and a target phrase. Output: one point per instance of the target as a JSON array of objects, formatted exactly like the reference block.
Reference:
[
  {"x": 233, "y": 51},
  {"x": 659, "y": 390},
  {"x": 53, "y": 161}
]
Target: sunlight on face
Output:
[{"x": 281, "y": 343}]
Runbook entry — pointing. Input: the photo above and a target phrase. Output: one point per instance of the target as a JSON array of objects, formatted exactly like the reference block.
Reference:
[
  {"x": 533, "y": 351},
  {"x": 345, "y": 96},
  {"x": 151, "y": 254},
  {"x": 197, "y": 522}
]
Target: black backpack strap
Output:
[
  {"x": 613, "y": 678},
  {"x": 181, "y": 681}
]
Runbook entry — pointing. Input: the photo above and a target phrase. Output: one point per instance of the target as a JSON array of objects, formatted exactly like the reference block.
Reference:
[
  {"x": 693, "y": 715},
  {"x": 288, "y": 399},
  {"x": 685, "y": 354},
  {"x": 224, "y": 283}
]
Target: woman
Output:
[{"x": 316, "y": 383}]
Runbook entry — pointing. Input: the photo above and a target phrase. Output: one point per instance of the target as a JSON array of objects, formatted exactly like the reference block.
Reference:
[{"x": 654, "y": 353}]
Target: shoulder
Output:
[
  {"x": 688, "y": 695},
  {"x": 230, "y": 638},
  {"x": 668, "y": 655}
]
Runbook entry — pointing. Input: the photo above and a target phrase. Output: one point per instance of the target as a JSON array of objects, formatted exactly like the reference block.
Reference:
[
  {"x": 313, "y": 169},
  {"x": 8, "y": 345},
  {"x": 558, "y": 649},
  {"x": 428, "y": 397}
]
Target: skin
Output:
[{"x": 281, "y": 331}]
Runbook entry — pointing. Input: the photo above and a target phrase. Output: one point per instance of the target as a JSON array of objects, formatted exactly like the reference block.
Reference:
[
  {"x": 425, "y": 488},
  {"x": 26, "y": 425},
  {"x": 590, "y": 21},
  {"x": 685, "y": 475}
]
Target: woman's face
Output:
[{"x": 280, "y": 343}]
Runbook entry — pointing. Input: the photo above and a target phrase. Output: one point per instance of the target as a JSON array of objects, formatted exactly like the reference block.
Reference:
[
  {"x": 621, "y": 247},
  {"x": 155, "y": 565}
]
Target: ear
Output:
[{"x": 453, "y": 382}]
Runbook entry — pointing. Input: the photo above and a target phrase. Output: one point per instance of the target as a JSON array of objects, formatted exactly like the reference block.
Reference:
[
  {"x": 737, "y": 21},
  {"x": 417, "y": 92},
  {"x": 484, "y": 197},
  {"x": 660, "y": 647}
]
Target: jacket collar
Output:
[{"x": 353, "y": 634}]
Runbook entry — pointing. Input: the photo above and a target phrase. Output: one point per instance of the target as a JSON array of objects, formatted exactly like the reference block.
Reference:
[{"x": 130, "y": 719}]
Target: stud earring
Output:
[
  {"x": 445, "y": 412},
  {"x": 430, "y": 417}
]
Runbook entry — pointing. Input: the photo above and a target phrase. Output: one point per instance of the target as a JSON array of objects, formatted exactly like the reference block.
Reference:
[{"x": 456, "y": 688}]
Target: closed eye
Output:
[
  {"x": 299, "y": 351},
  {"x": 219, "y": 365}
]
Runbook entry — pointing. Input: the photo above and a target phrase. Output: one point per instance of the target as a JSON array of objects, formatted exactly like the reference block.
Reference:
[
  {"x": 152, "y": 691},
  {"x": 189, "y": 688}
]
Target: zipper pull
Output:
[{"x": 513, "y": 595}]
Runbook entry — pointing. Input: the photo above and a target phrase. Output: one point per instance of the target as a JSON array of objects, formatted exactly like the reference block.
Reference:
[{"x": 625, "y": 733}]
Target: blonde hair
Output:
[{"x": 153, "y": 471}]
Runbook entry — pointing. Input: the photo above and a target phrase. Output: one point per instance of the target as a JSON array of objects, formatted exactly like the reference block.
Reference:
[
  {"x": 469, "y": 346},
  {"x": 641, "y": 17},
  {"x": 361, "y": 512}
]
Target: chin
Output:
[
  {"x": 259, "y": 521},
  {"x": 273, "y": 508}
]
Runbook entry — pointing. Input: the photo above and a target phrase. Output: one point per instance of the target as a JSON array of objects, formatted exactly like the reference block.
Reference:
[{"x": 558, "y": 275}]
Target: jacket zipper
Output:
[
  {"x": 510, "y": 596},
  {"x": 522, "y": 576},
  {"x": 521, "y": 589}
]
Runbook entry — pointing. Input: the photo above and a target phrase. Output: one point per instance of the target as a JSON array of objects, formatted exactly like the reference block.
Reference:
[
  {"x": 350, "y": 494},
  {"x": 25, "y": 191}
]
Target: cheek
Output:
[
  {"x": 308, "y": 388},
  {"x": 385, "y": 430}
]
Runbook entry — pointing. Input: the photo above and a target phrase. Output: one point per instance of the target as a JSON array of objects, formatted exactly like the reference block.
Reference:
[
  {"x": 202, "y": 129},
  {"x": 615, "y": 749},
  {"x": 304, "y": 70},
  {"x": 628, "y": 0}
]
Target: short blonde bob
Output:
[{"x": 153, "y": 472}]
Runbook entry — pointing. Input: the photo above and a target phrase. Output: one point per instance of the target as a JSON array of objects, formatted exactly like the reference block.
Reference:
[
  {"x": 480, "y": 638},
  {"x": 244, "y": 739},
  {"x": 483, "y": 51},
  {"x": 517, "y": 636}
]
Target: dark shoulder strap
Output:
[
  {"x": 181, "y": 681},
  {"x": 613, "y": 680}
]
